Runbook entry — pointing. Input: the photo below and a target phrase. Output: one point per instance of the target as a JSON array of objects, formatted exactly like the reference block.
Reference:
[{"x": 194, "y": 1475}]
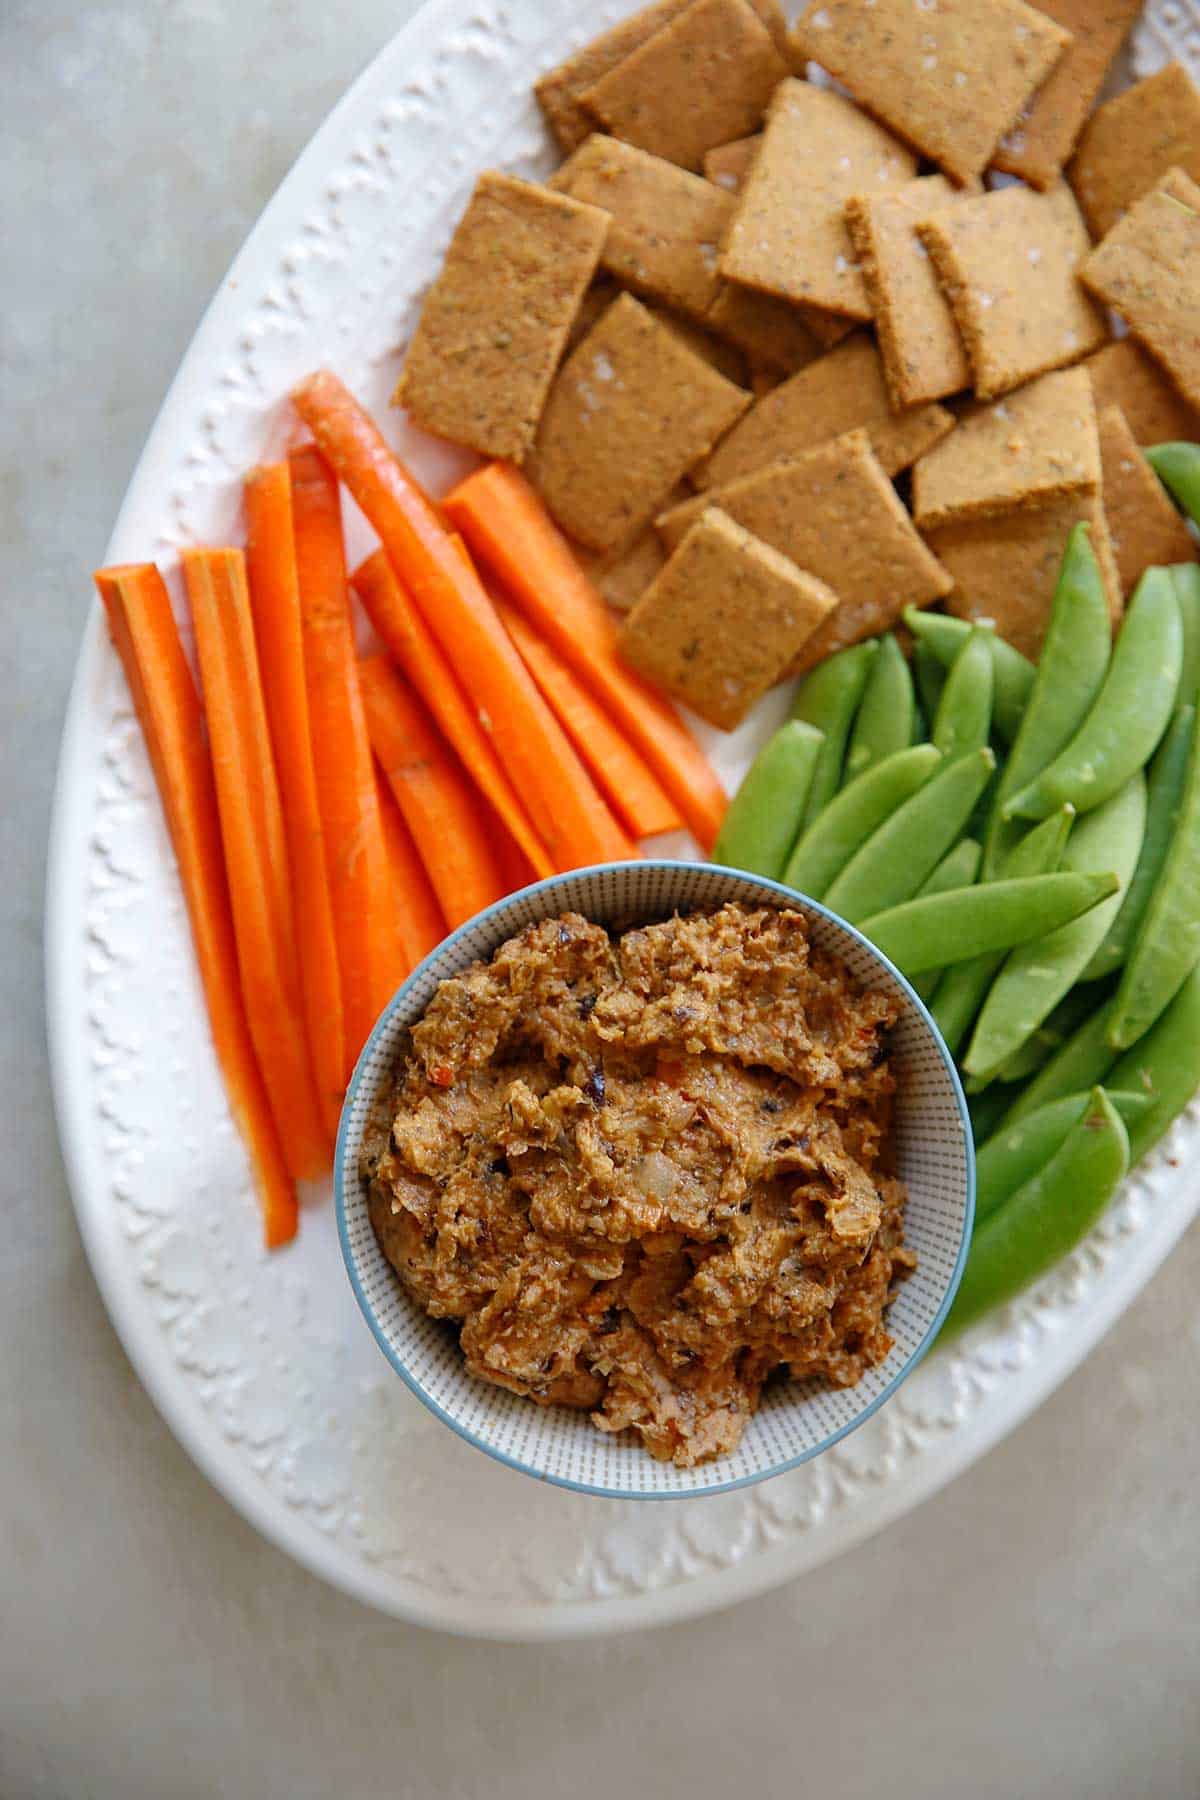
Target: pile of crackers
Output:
[{"x": 783, "y": 356}]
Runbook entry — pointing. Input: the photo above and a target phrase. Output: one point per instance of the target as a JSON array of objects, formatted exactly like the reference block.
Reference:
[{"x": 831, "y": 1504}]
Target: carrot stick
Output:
[
  {"x": 144, "y": 632},
  {"x": 275, "y": 605},
  {"x": 419, "y": 654},
  {"x": 439, "y": 804},
  {"x": 509, "y": 530},
  {"x": 569, "y": 815},
  {"x": 418, "y": 916},
  {"x": 370, "y": 960}
]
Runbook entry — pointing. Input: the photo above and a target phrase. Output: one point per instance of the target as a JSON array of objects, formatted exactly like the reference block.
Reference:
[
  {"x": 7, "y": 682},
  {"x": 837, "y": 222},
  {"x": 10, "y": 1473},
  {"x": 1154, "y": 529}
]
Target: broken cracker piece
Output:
[
  {"x": 494, "y": 323},
  {"x": 1123, "y": 375},
  {"x": 1009, "y": 264},
  {"x": 1130, "y": 143},
  {"x": 1148, "y": 268},
  {"x": 1045, "y": 133},
  {"x": 630, "y": 411},
  {"x": 1145, "y": 528}
]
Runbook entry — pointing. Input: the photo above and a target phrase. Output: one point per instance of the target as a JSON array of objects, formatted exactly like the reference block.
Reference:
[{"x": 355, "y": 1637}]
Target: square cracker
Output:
[
  {"x": 923, "y": 355},
  {"x": 788, "y": 235},
  {"x": 842, "y": 390},
  {"x": 630, "y": 411},
  {"x": 1005, "y": 570},
  {"x": 1155, "y": 411},
  {"x": 1146, "y": 530},
  {"x": 1130, "y": 143},
  {"x": 723, "y": 620},
  {"x": 1148, "y": 268},
  {"x": 495, "y": 321},
  {"x": 729, "y": 164},
  {"x": 1044, "y": 135},
  {"x": 703, "y": 79},
  {"x": 948, "y": 76},
  {"x": 1036, "y": 445},
  {"x": 1008, "y": 263},
  {"x": 769, "y": 331},
  {"x": 835, "y": 513}
]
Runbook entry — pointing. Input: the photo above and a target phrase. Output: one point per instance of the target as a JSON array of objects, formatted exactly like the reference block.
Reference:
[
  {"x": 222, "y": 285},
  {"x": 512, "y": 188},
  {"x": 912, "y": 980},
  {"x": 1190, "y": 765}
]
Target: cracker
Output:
[
  {"x": 1148, "y": 268},
  {"x": 1146, "y": 530},
  {"x": 769, "y": 331},
  {"x": 703, "y": 79},
  {"x": 836, "y": 514},
  {"x": 630, "y": 411},
  {"x": 1008, "y": 263},
  {"x": 842, "y": 390},
  {"x": 1128, "y": 146},
  {"x": 623, "y": 576},
  {"x": 1038, "y": 444},
  {"x": 788, "y": 235},
  {"x": 948, "y": 77},
  {"x": 923, "y": 355},
  {"x": 598, "y": 298},
  {"x": 1156, "y": 413},
  {"x": 1050, "y": 122},
  {"x": 726, "y": 358},
  {"x": 729, "y": 164},
  {"x": 1005, "y": 570},
  {"x": 723, "y": 620},
  {"x": 495, "y": 321}
]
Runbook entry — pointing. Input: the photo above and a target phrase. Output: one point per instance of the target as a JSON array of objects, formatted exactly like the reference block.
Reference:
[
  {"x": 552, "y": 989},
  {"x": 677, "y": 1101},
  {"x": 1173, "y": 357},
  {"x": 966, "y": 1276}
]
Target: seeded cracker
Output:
[
  {"x": 1037, "y": 445},
  {"x": 1008, "y": 263},
  {"x": 923, "y": 355},
  {"x": 1148, "y": 268},
  {"x": 702, "y": 80},
  {"x": 1146, "y": 530},
  {"x": 1129, "y": 145},
  {"x": 630, "y": 411},
  {"x": 948, "y": 77},
  {"x": 842, "y": 390},
  {"x": 1045, "y": 134},
  {"x": 494, "y": 323},
  {"x": 1156, "y": 413},
  {"x": 723, "y": 620}
]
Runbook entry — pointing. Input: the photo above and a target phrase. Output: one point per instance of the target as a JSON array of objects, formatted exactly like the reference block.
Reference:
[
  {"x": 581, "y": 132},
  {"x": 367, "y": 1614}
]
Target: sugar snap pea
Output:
[
  {"x": 930, "y": 674},
  {"x": 1050, "y": 1036},
  {"x": 1036, "y": 976},
  {"x": 1165, "y": 787},
  {"x": 1085, "y": 1059},
  {"x": 992, "y": 917},
  {"x": 1164, "y": 1065},
  {"x": 1129, "y": 715},
  {"x": 1185, "y": 578},
  {"x": 827, "y": 845},
  {"x": 761, "y": 825},
  {"x": 906, "y": 848},
  {"x": 828, "y": 698},
  {"x": 964, "y": 716},
  {"x": 1013, "y": 673},
  {"x": 987, "y": 1110},
  {"x": 1011, "y": 1156},
  {"x": 884, "y": 723},
  {"x": 957, "y": 869},
  {"x": 1046, "y": 1216},
  {"x": 1178, "y": 468}
]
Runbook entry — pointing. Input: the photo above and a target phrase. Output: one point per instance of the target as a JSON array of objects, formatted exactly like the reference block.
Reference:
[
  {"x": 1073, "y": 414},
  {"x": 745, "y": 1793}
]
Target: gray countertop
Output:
[{"x": 1034, "y": 1630}]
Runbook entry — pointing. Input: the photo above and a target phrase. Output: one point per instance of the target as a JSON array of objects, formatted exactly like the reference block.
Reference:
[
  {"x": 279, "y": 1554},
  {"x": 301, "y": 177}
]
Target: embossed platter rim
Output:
[{"x": 266, "y": 1374}]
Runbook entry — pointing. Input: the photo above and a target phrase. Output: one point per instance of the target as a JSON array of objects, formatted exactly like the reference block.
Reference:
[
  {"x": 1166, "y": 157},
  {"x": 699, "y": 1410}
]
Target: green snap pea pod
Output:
[
  {"x": 827, "y": 845},
  {"x": 1130, "y": 713},
  {"x": 1010, "y": 1157},
  {"x": 1013, "y": 674},
  {"x": 1068, "y": 678},
  {"x": 962, "y": 988},
  {"x": 1084, "y": 1060},
  {"x": 957, "y": 869},
  {"x": 1050, "y": 1036},
  {"x": 1167, "y": 946},
  {"x": 1165, "y": 787},
  {"x": 920, "y": 724},
  {"x": 1164, "y": 1065},
  {"x": 884, "y": 723},
  {"x": 1046, "y": 1216},
  {"x": 908, "y": 847},
  {"x": 930, "y": 673},
  {"x": 1037, "y": 975},
  {"x": 828, "y": 698},
  {"x": 964, "y": 715},
  {"x": 1185, "y": 578},
  {"x": 992, "y": 917},
  {"x": 987, "y": 1110},
  {"x": 1178, "y": 468},
  {"x": 761, "y": 825}
]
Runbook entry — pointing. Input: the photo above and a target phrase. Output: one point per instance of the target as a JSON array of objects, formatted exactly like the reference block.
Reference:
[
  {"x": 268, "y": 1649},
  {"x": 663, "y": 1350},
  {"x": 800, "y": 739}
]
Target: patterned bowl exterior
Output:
[{"x": 797, "y": 1420}]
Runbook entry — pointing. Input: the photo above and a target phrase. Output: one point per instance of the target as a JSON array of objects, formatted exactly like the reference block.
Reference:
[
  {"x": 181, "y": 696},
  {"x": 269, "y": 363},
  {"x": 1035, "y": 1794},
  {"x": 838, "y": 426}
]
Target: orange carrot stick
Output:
[
  {"x": 418, "y": 916},
  {"x": 168, "y": 708},
  {"x": 570, "y": 817},
  {"x": 509, "y": 530},
  {"x": 369, "y": 955},
  {"x": 439, "y": 804},
  {"x": 419, "y": 654},
  {"x": 275, "y": 604}
]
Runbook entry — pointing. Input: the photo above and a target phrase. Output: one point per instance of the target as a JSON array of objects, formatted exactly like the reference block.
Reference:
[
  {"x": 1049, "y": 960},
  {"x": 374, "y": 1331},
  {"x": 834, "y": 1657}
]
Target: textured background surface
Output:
[{"x": 1033, "y": 1630}]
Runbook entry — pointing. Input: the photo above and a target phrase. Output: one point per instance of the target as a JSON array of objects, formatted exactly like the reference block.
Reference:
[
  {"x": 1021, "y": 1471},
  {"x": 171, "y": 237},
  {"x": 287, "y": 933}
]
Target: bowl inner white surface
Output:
[{"x": 795, "y": 1420}]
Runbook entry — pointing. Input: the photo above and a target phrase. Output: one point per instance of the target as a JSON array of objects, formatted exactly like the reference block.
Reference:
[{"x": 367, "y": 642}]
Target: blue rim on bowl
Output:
[{"x": 797, "y": 1420}]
